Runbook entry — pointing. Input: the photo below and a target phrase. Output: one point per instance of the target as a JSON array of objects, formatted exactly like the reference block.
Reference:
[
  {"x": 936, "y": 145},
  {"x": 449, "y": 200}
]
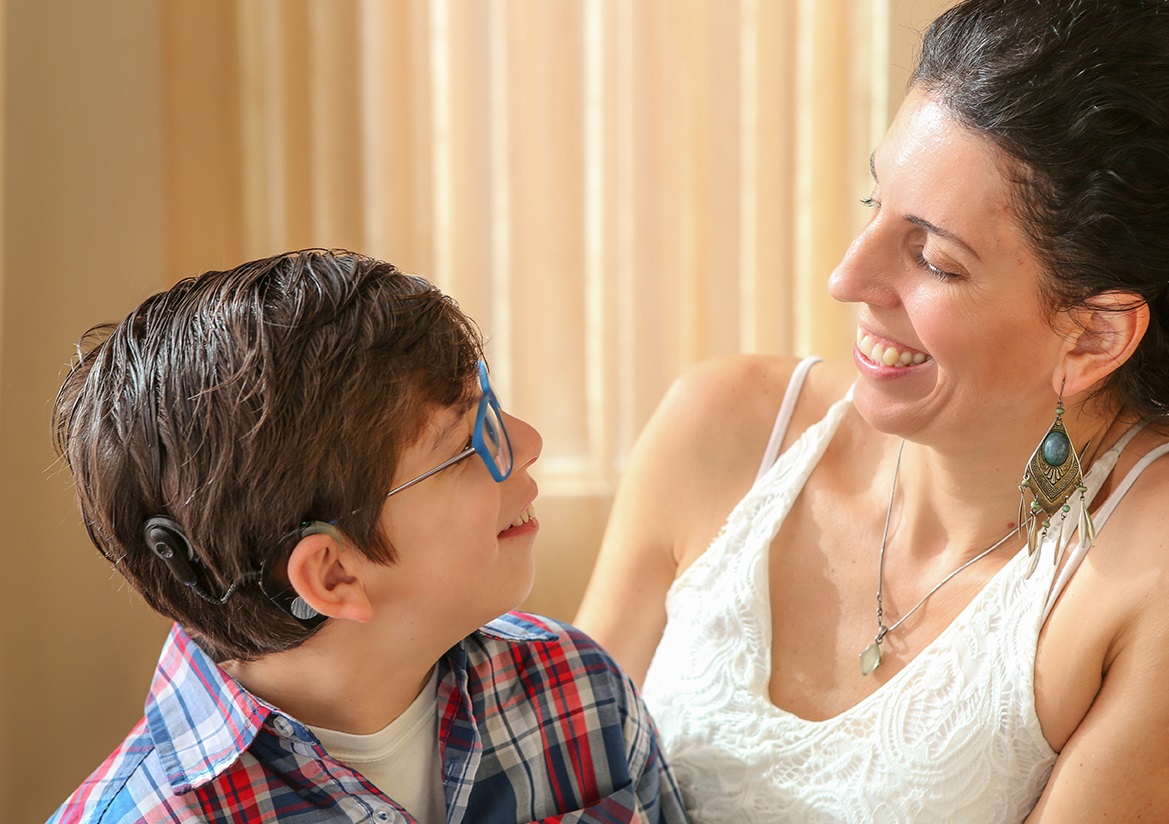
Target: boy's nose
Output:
[{"x": 526, "y": 442}]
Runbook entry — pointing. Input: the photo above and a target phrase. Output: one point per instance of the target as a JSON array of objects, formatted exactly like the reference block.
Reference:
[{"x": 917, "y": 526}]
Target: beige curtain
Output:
[
  {"x": 614, "y": 189},
  {"x": 7, "y": 757}
]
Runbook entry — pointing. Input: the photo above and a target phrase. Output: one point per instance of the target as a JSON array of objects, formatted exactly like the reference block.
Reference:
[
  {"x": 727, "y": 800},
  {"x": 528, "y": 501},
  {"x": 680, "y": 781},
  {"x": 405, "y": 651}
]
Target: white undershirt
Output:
[{"x": 402, "y": 759}]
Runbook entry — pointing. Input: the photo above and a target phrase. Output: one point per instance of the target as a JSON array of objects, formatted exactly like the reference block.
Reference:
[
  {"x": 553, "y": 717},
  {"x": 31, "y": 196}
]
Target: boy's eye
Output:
[{"x": 468, "y": 445}]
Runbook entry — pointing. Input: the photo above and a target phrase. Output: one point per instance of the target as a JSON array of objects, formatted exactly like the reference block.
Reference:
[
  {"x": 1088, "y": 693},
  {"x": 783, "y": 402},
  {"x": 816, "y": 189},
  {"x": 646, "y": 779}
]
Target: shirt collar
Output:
[
  {"x": 200, "y": 718},
  {"x": 517, "y": 627}
]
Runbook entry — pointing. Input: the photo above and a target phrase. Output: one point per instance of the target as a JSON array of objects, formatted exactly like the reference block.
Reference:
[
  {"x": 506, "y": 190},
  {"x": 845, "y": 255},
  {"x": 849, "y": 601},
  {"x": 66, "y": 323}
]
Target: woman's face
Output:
[{"x": 953, "y": 336}]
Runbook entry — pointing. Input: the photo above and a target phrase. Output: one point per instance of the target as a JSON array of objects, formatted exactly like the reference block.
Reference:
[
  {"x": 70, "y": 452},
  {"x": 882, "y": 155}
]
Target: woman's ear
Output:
[
  {"x": 327, "y": 575},
  {"x": 1106, "y": 331}
]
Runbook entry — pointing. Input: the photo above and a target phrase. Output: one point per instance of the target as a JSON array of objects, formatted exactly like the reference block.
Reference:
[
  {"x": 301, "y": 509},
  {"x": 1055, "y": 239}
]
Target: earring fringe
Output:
[
  {"x": 1087, "y": 525},
  {"x": 1033, "y": 536},
  {"x": 1031, "y": 566},
  {"x": 1034, "y": 542}
]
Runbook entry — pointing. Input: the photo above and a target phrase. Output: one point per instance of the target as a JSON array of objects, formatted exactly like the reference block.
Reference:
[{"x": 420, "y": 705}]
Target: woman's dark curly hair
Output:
[{"x": 1075, "y": 93}]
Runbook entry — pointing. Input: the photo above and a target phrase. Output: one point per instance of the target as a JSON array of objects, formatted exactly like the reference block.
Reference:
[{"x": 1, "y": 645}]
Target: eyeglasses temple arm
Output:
[{"x": 470, "y": 450}]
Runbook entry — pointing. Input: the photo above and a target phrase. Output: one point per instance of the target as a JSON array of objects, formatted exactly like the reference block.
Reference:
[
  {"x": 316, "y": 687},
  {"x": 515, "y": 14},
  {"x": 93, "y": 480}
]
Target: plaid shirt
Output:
[{"x": 537, "y": 724}]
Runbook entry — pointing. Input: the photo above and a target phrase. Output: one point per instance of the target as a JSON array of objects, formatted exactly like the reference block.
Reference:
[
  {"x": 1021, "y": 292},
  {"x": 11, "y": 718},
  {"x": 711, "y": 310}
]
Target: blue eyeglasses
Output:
[{"x": 489, "y": 440}]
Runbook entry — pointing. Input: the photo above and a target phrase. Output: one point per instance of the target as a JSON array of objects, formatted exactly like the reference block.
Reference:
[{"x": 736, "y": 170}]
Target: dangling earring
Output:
[{"x": 1052, "y": 475}]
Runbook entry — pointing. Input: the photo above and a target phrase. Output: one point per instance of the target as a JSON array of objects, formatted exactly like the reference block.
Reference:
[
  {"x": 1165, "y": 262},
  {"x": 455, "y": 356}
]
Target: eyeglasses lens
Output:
[{"x": 496, "y": 440}]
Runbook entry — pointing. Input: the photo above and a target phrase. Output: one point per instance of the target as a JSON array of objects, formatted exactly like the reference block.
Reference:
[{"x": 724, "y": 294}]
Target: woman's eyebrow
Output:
[
  {"x": 942, "y": 233},
  {"x": 922, "y": 222}
]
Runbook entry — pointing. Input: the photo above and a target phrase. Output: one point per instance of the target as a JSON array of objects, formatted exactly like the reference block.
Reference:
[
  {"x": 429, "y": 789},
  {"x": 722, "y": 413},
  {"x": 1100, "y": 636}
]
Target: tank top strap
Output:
[
  {"x": 1101, "y": 468},
  {"x": 786, "y": 410}
]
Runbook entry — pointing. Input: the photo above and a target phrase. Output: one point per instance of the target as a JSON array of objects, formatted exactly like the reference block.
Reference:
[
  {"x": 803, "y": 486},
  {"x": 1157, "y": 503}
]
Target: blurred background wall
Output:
[{"x": 615, "y": 189}]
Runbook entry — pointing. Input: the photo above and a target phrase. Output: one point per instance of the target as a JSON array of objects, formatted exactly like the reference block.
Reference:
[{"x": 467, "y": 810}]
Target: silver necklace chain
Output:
[{"x": 871, "y": 656}]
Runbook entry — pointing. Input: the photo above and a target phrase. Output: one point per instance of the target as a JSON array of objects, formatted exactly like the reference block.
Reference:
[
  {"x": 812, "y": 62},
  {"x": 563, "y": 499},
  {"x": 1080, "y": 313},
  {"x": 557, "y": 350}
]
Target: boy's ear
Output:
[
  {"x": 1107, "y": 330},
  {"x": 326, "y": 574}
]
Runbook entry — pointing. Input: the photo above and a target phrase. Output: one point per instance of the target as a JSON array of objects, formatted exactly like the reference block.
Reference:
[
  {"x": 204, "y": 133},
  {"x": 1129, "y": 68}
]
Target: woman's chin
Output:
[{"x": 895, "y": 407}]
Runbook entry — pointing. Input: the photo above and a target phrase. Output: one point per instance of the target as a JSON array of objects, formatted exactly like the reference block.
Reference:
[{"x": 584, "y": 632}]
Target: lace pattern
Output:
[{"x": 952, "y": 737}]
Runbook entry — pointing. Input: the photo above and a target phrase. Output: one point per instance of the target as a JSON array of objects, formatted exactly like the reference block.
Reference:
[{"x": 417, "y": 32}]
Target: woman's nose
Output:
[
  {"x": 864, "y": 273},
  {"x": 526, "y": 442}
]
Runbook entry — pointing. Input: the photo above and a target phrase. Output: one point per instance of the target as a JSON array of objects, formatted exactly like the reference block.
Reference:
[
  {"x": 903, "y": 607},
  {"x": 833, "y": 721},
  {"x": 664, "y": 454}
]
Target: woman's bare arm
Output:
[
  {"x": 694, "y": 460},
  {"x": 1115, "y": 765}
]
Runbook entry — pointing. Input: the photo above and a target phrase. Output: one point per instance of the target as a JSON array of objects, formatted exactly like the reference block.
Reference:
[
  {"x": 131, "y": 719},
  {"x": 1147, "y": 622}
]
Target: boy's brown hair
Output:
[{"x": 243, "y": 402}]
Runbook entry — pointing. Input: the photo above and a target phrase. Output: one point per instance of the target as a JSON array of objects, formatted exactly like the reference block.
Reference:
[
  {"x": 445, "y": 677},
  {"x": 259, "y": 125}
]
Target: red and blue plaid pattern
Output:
[{"x": 537, "y": 724}]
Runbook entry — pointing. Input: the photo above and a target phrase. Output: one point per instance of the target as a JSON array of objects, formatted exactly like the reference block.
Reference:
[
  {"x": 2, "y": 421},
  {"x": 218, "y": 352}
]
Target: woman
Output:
[{"x": 881, "y": 628}]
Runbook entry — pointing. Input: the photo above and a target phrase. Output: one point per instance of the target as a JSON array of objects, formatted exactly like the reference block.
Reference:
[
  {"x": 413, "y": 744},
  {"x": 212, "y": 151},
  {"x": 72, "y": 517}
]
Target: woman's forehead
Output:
[{"x": 939, "y": 173}]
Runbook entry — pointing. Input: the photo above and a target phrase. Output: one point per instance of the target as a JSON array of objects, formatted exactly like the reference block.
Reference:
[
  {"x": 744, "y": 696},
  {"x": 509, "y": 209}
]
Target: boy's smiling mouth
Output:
[{"x": 525, "y": 516}]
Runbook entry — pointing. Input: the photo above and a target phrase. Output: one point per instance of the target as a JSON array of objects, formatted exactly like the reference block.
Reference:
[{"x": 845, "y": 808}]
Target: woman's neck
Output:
[{"x": 961, "y": 497}]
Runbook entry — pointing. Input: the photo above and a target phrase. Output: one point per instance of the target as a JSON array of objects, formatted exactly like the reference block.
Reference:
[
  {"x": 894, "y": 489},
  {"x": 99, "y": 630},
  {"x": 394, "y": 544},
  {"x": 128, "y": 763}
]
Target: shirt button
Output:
[
  {"x": 382, "y": 815},
  {"x": 283, "y": 726}
]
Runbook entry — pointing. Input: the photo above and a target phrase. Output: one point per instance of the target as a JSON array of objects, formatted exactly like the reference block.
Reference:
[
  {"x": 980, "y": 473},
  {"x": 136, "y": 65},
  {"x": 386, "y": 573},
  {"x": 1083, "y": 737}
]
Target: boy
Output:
[{"x": 301, "y": 462}]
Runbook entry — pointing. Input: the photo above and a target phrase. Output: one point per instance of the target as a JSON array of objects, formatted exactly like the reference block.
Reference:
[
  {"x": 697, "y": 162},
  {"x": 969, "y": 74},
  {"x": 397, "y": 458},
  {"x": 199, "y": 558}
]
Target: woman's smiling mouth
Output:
[{"x": 886, "y": 353}]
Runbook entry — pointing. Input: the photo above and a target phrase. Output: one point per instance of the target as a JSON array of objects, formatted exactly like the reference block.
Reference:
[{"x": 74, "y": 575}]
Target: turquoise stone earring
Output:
[{"x": 1052, "y": 475}]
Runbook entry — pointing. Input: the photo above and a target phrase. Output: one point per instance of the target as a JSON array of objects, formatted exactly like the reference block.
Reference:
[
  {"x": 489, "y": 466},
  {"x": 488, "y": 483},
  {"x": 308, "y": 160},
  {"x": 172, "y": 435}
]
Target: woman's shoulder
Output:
[
  {"x": 1140, "y": 487},
  {"x": 723, "y": 410},
  {"x": 734, "y": 384},
  {"x": 1127, "y": 570},
  {"x": 1141, "y": 477}
]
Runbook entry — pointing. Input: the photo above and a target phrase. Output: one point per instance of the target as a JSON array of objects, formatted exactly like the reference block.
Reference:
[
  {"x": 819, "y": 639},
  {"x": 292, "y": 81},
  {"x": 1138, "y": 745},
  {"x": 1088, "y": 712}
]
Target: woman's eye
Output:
[
  {"x": 940, "y": 274},
  {"x": 869, "y": 202}
]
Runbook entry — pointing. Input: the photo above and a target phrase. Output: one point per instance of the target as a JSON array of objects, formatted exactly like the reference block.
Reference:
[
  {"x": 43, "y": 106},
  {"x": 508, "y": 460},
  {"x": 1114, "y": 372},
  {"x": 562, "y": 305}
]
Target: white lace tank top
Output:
[{"x": 952, "y": 737}]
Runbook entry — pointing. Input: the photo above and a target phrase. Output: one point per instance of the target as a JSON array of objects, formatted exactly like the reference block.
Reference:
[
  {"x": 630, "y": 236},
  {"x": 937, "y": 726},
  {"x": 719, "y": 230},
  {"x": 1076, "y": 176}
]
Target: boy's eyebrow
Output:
[{"x": 442, "y": 434}]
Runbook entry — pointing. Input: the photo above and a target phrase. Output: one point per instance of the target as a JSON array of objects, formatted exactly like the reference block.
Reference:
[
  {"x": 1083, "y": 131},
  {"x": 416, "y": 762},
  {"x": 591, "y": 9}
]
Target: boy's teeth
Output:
[
  {"x": 524, "y": 517},
  {"x": 887, "y": 354}
]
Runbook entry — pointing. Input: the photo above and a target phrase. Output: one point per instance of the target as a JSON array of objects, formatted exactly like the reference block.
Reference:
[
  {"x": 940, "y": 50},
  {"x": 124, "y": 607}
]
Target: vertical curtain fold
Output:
[{"x": 613, "y": 189}]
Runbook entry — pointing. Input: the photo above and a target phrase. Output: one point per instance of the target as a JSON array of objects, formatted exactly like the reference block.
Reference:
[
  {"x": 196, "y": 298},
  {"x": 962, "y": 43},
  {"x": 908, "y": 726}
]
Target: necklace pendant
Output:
[{"x": 870, "y": 658}]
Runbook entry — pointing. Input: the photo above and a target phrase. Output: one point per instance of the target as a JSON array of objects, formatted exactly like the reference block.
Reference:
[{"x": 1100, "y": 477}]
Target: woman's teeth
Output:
[
  {"x": 886, "y": 353},
  {"x": 524, "y": 516}
]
